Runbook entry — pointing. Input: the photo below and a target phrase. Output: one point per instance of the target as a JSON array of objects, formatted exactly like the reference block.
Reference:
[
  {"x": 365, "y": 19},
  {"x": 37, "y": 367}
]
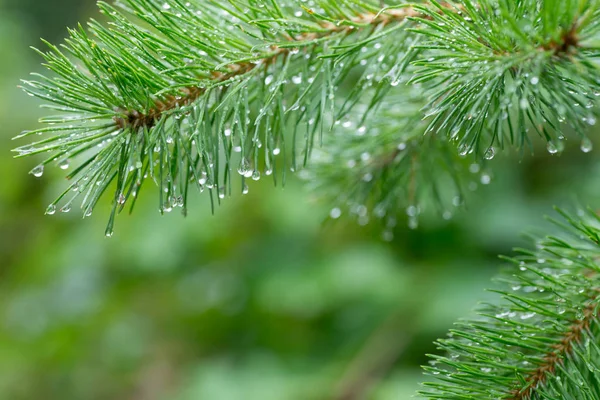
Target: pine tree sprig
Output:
[
  {"x": 503, "y": 70},
  {"x": 540, "y": 340},
  {"x": 188, "y": 94}
]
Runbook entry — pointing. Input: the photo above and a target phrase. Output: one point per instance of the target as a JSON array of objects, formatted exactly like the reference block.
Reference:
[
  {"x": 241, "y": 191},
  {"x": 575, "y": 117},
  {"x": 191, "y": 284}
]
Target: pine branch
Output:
[
  {"x": 539, "y": 341},
  {"x": 512, "y": 68},
  {"x": 186, "y": 94},
  {"x": 391, "y": 170}
]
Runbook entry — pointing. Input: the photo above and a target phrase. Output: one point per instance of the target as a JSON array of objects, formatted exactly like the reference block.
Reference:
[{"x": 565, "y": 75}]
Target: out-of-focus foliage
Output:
[{"x": 261, "y": 301}]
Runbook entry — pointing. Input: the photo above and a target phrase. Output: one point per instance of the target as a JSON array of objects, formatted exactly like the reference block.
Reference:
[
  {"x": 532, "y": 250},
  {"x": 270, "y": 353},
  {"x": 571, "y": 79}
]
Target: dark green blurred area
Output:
[{"x": 262, "y": 300}]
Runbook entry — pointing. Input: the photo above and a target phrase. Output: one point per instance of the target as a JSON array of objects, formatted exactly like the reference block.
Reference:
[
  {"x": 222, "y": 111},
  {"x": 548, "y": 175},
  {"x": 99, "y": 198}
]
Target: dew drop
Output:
[
  {"x": 38, "y": 171},
  {"x": 486, "y": 179},
  {"x": 335, "y": 213},
  {"x": 51, "y": 209},
  {"x": 586, "y": 145},
  {"x": 490, "y": 153},
  {"x": 64, "y": 164},
  {"x": 552, "y": 149}
]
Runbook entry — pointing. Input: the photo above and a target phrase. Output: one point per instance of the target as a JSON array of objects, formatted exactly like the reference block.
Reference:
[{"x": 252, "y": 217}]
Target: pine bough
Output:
[{"x": 387, "y": 107}]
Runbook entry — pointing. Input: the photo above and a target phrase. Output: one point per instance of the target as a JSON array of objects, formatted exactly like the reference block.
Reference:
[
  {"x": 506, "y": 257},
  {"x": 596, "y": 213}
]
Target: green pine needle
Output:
[{"x": 541, "y": 340}]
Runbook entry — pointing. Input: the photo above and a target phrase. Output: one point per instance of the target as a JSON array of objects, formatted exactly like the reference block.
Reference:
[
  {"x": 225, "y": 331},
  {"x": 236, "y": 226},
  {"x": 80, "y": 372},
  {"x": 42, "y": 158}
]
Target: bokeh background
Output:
[{"x": 262, "y": 300}]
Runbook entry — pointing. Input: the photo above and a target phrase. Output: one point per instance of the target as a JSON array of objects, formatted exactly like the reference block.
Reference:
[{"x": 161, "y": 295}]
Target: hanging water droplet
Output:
[
  {"x": 122, "y": 199},
  {"x": 38, "y": 171},
  {"x": 66, "y": 208},
  {"x": 64, "y": 164},
  {"x": 245, "y": 189},
  {"x": 413, "y": 222},
  {"x": 335, "y": 213},
  {"x": 586, "y": 145},
  {"x": 490, "y": 153},
  {"x": 523, "y": 103},
  {"x": 244, "y": 166},
  {"x": 51, "y": 209},
  {"x": 222, "y": 192},
  {"x": 552, "y": 149},
  {"x": 256, "y": 175},
  {"x": 412, "y": 211}
]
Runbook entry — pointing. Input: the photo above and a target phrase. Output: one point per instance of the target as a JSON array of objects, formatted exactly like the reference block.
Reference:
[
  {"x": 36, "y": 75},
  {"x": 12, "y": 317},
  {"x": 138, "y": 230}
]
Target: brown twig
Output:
[
  {"x": 135, "y": 119},
  {"x": 555, "y": 357}
]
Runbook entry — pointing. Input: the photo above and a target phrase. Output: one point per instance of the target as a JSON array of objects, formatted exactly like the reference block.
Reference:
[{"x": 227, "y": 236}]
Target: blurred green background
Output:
[{"x": 261, "y": 301}]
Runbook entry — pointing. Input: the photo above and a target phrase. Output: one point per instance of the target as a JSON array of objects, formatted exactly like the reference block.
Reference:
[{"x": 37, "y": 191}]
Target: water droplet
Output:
[
  {"x": 245, "y": 189},
  {"x": 552, "y": 149},
  {"x": 64, "y": 164},
  {"x": 335, "y": 213},
  {"x": 413, "y": 222},
  {"x": 486, "y": 179},
  {"x": 586, "y": 145},
  {"x": 66, "y": 208},
  {"x": 527, "y": 315},
  {"x": 51, "y": 209},
  {"x": 276, "y": 151},
  {"x": 490, "y": 153},
  {"x": 523, "y": 104},
  {"x": 38, "y": 171},
  {"x": 412, "y": 211},
  {"x": 244, "y": 167},
  {"x": 256, "y": 175},
  {"x": 535, "y": 80}
]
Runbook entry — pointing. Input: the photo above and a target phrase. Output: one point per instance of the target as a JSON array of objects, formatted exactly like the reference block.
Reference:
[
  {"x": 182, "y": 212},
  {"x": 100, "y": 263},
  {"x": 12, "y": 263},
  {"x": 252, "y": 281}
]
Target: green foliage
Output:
[
  {"x": 392, "y": 166},
  {"x": 192, "y": 95},
  {"x": 189, "y": 95},
  {"x": 541, "y": 340},
  {"x": 504, "y": 68},
  {"x": 409, "y": 99}
]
